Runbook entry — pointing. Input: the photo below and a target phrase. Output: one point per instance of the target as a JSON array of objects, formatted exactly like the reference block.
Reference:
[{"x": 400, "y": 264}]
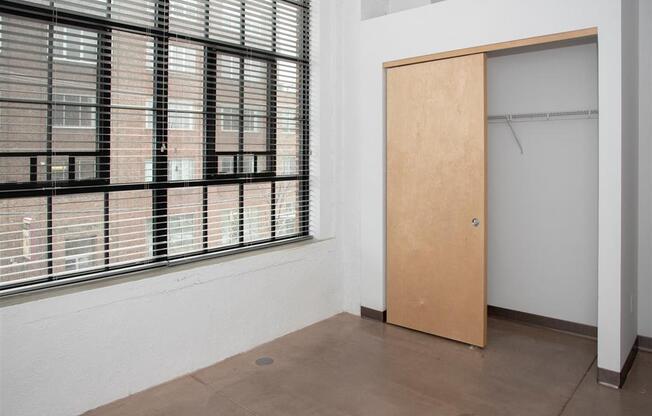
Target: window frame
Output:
[{"x": 160, "y": 185}]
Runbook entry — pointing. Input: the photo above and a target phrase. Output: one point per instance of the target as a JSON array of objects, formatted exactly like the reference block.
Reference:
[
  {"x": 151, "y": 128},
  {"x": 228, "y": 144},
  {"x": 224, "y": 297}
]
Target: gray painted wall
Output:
[{"x": 543, "y": 204}]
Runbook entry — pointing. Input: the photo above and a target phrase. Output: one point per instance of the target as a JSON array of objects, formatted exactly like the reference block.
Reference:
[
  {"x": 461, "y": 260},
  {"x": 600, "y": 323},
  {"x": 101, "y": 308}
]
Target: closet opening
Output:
[{"x": 542, "y": 184}]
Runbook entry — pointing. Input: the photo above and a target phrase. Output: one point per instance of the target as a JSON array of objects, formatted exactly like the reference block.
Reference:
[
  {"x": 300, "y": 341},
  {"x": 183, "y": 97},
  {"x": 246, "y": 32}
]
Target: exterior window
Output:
[
  {"x": 225, "y": 165},
  {"x": 251, "y": 121},
  {"x": 232, "y": 227},
  {"x": 180, "y": 115},
  {"x": 27, "y": 245},
  {"x": 75, "y": 45},
  {"x": 254, "y": 71},
  {"x": 59, "y": 172},
  {"x": 149, "y": 171},
  {"x": 286, "y": 223},
  {"x": 288, "y": 164},
  {"x": 181, "y": 232},
  {"x": 253, "y": 223},
  {"x": 85, "y": 169},
  {"x": 181, "y": 169},
  {"x": 287, "y": 122},
  {"x": 229, "y": 67},
  {"x": 181, "y": 59},
  {"x": 248, "y": 162},
  {"x": 178, "y": 170},
  {"x": 80, "y": 253},
  {"x": 230, "y": 119},
  {"x": 68, "y": 113}
]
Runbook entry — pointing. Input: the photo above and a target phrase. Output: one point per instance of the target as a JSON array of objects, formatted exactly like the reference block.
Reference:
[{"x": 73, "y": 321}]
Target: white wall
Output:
[
  {"x": 69, "y": 350},
  {"x": 376, "y": 8},
  {"x": 445, "y": 26},
  {"x": 400, "y": 5},
  {"x": 645, "y": 171},
  {"x": 629, "y": 197},
  {"x": 349, "y": 164},
  {"x": 543, "y": 204}
]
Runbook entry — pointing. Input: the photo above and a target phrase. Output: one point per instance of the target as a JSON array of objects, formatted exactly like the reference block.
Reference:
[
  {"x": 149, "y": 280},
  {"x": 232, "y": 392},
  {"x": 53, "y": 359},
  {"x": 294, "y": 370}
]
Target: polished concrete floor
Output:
[{"x": 350, "y": 366}]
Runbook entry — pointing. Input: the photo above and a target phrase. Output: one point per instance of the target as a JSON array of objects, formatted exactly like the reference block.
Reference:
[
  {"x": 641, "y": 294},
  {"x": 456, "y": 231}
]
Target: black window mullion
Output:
[
  {"x": 304, "y": 117},
  {"x": 243, "y": 13},
  {"x": 272, "y": 128},
  {"x": 160, "y": 156},
  {"x": 103, "y": 111},
  {"x": 274, "y": 28},
  {"x": 210, "y": 113},
  {"x": 33, "y": 169},
  {"x": 210, "y": 121},
  {"x": 272, "y": 118},
  {"x": 71, "y": 168},
  {"x": 107, "y": 230}
]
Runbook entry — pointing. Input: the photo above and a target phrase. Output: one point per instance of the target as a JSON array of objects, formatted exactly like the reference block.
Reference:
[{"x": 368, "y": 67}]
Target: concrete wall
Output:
[
  {"x": 645, "y": 171},
  {"x": 543, "y": 204},
  {"x": 445, "y": 26},
  {"x": 69, "y": 350}
]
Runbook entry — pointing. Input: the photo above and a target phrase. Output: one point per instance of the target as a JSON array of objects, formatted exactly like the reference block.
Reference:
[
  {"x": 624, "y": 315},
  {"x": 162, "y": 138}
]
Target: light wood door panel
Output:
[{"x": 436, "y": 186}]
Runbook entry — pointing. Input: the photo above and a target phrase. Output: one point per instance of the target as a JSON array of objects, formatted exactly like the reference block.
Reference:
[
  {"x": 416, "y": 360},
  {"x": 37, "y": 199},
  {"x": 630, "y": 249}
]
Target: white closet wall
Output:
[
  {"x": 543, "y": 204},
  {"x": 645, "y": 171}
]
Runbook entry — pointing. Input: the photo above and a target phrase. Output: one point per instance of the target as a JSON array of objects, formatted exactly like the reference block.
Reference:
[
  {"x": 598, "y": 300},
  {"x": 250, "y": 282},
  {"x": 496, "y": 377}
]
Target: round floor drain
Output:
[{"x": 264, "y": 361}]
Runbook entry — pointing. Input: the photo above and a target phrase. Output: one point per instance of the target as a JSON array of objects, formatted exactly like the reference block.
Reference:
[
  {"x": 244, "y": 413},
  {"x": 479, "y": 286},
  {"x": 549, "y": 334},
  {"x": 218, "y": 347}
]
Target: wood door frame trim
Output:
[{"x": 492, "y": 47}]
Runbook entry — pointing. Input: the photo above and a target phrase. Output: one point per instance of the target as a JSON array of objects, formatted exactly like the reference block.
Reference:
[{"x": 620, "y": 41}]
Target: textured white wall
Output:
[
  {"x": 445, "y": 26},
  {"x": 69, "y": 350},
  {"x": 543, "y": 204},
  {"x": 645, "y": 171}
]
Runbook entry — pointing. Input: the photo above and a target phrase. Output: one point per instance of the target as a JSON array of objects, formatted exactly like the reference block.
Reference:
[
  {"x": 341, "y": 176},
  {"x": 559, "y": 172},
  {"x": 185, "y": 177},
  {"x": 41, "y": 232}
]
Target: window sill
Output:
[{"x": 46, "y": 289}]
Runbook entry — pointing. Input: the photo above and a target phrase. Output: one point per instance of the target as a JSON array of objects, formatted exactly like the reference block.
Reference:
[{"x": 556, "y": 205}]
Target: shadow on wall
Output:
[{"x": 377, "y": 8}]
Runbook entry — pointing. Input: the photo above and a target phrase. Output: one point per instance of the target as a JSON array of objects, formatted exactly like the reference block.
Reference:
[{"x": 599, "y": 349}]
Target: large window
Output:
[{"x": 136, "y": 134}]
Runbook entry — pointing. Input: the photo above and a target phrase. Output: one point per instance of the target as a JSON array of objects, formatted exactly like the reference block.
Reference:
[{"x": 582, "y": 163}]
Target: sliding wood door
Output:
[{"x": 436, "y": 198}]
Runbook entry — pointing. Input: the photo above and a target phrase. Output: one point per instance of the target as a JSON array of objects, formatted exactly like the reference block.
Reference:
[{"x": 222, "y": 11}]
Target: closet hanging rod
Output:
[{"x": 589, "y": 114}]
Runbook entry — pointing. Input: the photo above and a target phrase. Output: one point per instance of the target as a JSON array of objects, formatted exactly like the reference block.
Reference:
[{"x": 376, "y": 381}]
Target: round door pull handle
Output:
[{"x": 475, "y": 222}]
